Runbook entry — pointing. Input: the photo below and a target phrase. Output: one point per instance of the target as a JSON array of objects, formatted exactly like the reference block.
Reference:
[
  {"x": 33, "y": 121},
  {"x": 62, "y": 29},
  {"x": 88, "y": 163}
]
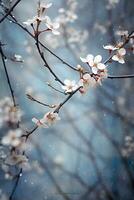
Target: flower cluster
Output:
[
  {"x": 8, "y": 113},
  {"x": 12, "y": 138},
  {"x": 51, "y": 26}
]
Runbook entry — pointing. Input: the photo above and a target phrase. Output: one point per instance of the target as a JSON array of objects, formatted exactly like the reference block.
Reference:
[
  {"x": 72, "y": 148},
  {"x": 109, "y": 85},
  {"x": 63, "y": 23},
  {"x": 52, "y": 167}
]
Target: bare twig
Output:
[
  {"x": 7, "y": 75},
  {"x": 8, "y": 11}
]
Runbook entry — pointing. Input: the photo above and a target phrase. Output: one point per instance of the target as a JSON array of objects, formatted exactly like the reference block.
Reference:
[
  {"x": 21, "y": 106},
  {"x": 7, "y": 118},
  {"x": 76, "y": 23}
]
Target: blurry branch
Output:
[
  {"x": 54, "y": 165},
  {"x": 8, "y": 11},
  {"x": 16, "y": 184},
  {"x": 50, "y": 174},
  {"x": 104, "y": 132},
  {"x": 3, "y": 57},
  {"x": 93, "y": 159}
]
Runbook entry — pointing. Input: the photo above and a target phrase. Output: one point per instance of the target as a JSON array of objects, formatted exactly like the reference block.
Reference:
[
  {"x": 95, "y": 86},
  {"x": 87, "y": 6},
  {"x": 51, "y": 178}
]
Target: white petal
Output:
[
  {"x": 83, "y": 59},
  {"x": 56, "y": 25},
  {"x": 86, "y": 76},
  {"x": 110, "y": 47},
  {"x": 47, "y": 19},
  {"x": 101, "y": 66},
  {"x": 55, "y": 32},
  {"x": 89, "y": 57},
  {"x": 115, "y": 58},
  {"x": 98, "y": 59},
  {"x": 73, "y": 83},
  {"x": 80, "y": 83},
  {"x": 122, "y": 51},
  {"x": 121, "y": 61},
  {"x": 67, "y": 82},
  {"x": 94, "y": 70},
  {"x": 43, "y": 5}
]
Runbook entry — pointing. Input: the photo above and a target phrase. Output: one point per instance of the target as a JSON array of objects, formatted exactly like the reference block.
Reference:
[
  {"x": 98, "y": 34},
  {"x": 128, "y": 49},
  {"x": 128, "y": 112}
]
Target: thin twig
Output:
[
  {"x": 33, "y": 99},
  {"x": 9, "y": 11},
  {"x": 7, "y": 75}
]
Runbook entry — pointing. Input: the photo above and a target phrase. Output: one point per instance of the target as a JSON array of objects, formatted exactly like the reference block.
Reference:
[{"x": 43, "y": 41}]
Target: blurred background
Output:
[{"x": 88, "y": 154}]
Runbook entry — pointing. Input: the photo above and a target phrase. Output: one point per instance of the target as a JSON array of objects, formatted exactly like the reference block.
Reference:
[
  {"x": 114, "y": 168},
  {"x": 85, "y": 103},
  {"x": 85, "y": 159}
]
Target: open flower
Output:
[
  {"x": 53, "y": 26},
  {"x": 69, "y": 86},
  {"x": 119, "y": 56},
  {"x": 94, "y": 62},
  {"x": 86, "y": 82},
  {"x": 51, "y": 118},
  {"x": 101, "y": 76},
  {"x": 12, "y": 138}
]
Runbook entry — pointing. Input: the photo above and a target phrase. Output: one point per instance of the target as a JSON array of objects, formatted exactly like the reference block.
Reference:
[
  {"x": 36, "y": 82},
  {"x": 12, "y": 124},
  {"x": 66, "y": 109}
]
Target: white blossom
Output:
[
  {"x": 71, "y": 17},
  {"x": 119, "y": 56},
  {"x": 53, "y": 26},
  {"x": 12, "y": 138},
  {"x": 110, "y": 47},
  {"x": 9, "y": 113},
  {"x": 94, "y": 62},
  {"x": 51, "y": 118},
  {"x": 86, "y": 82},
  {"x": 69, "y": 86},
  {"x": 16, "y": 159}
]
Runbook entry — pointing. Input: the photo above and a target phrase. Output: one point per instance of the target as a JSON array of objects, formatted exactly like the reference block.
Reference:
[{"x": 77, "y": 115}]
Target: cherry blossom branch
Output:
[
  {"x": 7, "y": 75},
  {"x": 55, "y": 111},
  {"x": 122, "y": 76},
  {"x": 45, "y": 62},
  {"x": 55, "y": 89},
  {"x": 121, "y": 46},
  {"x": 8, "y": 11},
  {"x": 67, "y": 99},
  {"x": 39, "y": 102},
  {"x": 64, "y": 62},
  {"x": 50, "y": 51}
]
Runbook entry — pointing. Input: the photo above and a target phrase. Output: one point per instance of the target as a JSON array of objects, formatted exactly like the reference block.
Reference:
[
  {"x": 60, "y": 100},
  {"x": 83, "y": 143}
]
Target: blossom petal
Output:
[
  {"x": 55, "y": 32},
  {"x": 122, "y": 51},
  {"x": 115, "y": 58},
  {"x": 121, "y": 61},
  {"x": 98, "y": 59},
  {"x": 94, "y": 70},
  {"x": 83, "y": 59},
  {"x": 89, "y": 57},
  {"x": 101, "y": 66}
]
